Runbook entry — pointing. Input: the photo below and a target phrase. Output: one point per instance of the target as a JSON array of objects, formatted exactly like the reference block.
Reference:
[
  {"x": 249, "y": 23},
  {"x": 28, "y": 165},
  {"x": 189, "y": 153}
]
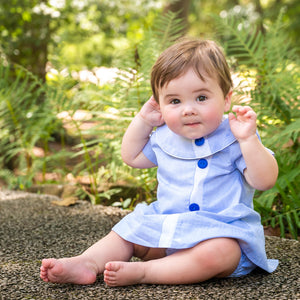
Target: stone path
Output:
[{"x": 31, "y": 228}]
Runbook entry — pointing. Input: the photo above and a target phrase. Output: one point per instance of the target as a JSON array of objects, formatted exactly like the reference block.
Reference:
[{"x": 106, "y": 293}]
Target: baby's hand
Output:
[
  {"x": 151, "y": 114},
  {"x": 243, "y": 124}
]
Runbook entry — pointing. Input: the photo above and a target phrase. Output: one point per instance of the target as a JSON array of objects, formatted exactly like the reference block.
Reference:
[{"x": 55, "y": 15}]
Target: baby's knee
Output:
[
  {"x": 228, "y": 247},
  {"x": 227, "y": 256},
  {"x": 222, "y": 255}
]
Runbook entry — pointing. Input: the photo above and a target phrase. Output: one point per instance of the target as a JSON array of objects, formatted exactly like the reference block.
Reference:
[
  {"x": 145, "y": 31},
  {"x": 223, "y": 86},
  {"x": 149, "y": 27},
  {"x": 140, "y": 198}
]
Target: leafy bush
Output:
[
  {"x": 113, "y": 107},
  {"x": 27, "y": 117},
  {"x": 268, "y": 61}
]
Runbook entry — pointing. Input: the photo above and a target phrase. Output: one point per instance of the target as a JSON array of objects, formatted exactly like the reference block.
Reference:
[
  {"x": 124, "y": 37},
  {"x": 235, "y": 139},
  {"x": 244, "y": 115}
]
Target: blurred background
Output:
[{"x": 73, "y": 73}]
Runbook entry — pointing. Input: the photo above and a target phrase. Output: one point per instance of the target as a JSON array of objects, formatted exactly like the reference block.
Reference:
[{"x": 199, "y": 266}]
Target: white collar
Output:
[{"x": 184, "y": 148}]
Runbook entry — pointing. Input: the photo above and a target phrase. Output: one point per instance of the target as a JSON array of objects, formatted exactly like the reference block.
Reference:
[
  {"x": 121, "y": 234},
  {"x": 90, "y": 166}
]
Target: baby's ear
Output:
[{"x": 228, "y": 101}]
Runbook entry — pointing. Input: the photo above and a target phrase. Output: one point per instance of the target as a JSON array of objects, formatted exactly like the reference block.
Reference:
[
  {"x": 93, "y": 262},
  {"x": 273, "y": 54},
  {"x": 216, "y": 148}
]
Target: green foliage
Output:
[
  {"x": 74, "y": 34},
  {"x": 114, "y": 106},
  {"x": 27, "y": 117},
  {"x": 271, "y": 63},
  {"x": 79, "y": 34},
  {"x": 89, "y": 33},
  {"x": 25, "y": 34}
]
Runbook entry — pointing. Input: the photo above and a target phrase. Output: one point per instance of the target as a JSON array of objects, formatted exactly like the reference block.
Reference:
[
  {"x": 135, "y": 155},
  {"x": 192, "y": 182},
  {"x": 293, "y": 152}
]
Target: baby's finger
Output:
[
  {"x": 241, "y": 110},
  {"x": 247, "y": 108},
  {"x": 250, "y": 114},
  {"x": 236, "y": 108},
  {"x": 152, "y": 100}
]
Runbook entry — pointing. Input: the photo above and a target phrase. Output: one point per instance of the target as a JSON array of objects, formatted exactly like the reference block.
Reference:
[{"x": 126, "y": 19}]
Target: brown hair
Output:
[{"x": 205, "y": 57}]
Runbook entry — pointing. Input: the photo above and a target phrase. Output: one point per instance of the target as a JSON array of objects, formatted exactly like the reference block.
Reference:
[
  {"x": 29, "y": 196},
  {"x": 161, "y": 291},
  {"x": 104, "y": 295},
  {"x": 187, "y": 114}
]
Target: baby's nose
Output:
[{"x": 189, "y": 110}]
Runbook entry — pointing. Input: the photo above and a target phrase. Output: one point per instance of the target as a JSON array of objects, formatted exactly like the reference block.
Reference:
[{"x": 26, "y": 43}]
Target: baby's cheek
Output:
[{"x": 173, "y": 121}]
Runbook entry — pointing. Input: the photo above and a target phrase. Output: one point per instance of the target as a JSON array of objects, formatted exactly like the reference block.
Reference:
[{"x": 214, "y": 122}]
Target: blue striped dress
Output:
[{"x": 202, "y": 194}]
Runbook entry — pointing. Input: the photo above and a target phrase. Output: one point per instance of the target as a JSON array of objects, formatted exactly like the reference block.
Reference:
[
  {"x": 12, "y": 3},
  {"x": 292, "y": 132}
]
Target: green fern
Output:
[
  {"x": 269, "y": 59},
  {"x": 114, "y": 106},
  {"x": 27, "y": 117},
  {"x": 167, "y": 29}
]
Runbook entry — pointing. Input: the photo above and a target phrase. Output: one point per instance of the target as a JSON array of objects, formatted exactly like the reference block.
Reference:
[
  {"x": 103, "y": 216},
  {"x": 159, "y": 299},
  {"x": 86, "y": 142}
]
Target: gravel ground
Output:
[{"x": 31, "y": 228}]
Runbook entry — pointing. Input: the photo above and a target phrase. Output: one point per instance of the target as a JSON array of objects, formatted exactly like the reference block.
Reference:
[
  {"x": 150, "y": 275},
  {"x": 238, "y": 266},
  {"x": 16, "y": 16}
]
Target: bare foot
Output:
[
  {"x": 75, "y": 270},
  {"x": 119, "y": 273}
]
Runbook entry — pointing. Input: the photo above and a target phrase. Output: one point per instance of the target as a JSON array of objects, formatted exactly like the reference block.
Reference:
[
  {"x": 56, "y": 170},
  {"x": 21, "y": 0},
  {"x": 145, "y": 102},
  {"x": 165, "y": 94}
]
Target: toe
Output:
[
  {"x": 48, "y": 263},
  {"x": 109, "y": 267},
  {"x": 113, "y": 266}
]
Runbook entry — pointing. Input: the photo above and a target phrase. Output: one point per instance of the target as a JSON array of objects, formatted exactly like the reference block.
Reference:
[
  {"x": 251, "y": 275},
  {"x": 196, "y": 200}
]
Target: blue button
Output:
[
  {"x": 202, "y": 163},
  {"x": 199, "y": 142},
  {"x": 194, "y": 207}
]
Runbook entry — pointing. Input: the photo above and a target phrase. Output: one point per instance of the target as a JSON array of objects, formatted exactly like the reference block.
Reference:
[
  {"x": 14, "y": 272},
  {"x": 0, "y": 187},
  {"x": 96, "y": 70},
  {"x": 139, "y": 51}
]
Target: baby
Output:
[{"x": 203, "y": 224}]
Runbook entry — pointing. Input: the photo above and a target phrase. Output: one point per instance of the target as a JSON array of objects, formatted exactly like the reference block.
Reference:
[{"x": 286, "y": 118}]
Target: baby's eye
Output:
[
  {"x": 175, "y": 101},
  {"x": 201, "y": 98}
]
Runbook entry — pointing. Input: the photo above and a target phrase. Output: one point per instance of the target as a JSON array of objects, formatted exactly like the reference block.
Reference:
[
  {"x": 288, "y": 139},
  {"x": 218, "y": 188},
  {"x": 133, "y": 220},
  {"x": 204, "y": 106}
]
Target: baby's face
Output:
[{"x": 193, "y": 108}]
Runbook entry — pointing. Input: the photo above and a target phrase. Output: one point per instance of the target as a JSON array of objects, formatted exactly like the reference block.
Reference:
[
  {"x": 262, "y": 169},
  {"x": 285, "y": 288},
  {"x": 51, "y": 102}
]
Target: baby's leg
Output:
[
  {"x": 212, "y": 258},
  {"x": 83, "y": 269}
]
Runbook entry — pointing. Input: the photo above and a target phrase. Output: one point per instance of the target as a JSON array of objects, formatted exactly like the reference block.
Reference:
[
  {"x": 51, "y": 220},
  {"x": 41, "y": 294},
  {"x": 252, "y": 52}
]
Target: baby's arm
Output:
[
  {"x": 262, "y": 170},
  {"x": 137, "y": 135}
]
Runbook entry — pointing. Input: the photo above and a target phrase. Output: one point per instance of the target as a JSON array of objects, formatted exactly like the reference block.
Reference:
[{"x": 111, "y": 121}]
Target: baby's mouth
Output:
[{"x": 192, "y": 123}]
